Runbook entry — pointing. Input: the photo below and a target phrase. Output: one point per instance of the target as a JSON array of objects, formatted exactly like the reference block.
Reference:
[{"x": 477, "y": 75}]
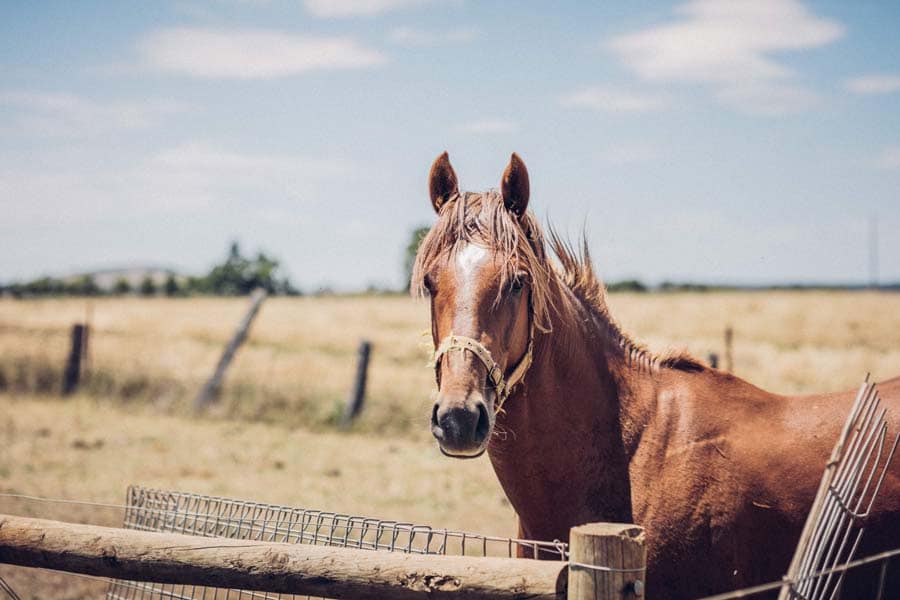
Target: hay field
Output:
[
  {"x": 273, "y": 437},
  {"x": 298, "y": 362}
]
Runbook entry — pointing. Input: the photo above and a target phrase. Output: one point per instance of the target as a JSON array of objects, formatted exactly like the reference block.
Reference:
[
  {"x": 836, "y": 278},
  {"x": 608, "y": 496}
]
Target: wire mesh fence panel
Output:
[
  {"x": 850, "y": 485},
  {"x": 210, "y": 516}
]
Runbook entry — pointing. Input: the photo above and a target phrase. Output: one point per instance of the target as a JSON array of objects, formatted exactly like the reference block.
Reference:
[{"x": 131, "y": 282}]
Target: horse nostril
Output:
[
  {"x": 434, "y": 415},
  {"x": 484, "y": 423}
]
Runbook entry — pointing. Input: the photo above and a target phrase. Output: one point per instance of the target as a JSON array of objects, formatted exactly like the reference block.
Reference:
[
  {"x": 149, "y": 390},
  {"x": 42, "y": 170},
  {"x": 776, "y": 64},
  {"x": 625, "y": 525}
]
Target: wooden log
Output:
[
  {"x": 270, "y": 567},
  {"x": 607, "y": 562},
  {"x": 72, "y": 372},
  {"x": 210, "y": 391},
  {"x": 358, "y": 393}
]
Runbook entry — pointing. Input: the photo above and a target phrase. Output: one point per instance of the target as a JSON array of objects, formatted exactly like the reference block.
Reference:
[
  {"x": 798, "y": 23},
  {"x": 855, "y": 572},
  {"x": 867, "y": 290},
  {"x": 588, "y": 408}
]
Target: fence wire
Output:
[
  {"x": 850, "y": 485},
  {"x": 211, "y": 516}
]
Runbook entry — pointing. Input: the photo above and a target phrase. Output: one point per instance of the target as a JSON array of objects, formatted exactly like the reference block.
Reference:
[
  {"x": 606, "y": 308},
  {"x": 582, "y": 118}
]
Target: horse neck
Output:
[{"x": 562, "y": 431}]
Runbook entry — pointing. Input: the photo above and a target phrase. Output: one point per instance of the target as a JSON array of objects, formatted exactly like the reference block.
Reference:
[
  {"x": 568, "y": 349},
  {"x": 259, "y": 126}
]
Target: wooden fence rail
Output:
[
  {"x": 324, "y": 570},
  {"x": 270, "y": 567}
]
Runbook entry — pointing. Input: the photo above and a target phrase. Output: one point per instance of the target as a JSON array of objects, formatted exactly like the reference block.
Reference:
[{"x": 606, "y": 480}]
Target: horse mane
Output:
[
  {"x": 576, "y": 272},
  {"x": 519, "y": 244}
]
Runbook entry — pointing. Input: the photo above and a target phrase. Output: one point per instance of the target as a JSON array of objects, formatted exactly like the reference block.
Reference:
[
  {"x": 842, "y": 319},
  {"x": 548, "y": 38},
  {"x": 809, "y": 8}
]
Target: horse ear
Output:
[
  {"x": 514, "y": 186},
  {"x": 442, "y": 182}
]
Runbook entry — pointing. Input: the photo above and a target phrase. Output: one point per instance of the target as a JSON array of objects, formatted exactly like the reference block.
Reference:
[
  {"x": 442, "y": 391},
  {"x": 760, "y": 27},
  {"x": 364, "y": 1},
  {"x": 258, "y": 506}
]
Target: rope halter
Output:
[{"x": 503, "y": 386}]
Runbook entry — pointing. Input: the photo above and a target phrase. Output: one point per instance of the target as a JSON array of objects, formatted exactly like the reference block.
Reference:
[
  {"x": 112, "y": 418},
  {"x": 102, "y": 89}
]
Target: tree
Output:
[
  {"x": 409, "y": 259},
  {"x": 240, "y": 275},
  {"x": 148, "y": 286},
  {"x": 627, "y": 285},
  {"x": 170, "y": 287},
  {"x": 122, "y": 286},
  {"x": 44, "y": 286},
  {"x": 83, "y": 286}
]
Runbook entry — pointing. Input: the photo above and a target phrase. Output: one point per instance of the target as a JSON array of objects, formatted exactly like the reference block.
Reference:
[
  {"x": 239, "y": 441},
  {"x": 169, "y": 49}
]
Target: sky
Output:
[{"x": 721, "y": 141}]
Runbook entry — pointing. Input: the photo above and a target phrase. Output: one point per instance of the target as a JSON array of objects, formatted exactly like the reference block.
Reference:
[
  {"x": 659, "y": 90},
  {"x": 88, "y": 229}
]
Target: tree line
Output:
[{"x": 237, "y": 275}]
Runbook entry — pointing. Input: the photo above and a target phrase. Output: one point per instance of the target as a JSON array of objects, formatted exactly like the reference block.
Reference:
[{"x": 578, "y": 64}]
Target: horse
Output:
[{"x": 582, "y": 424}]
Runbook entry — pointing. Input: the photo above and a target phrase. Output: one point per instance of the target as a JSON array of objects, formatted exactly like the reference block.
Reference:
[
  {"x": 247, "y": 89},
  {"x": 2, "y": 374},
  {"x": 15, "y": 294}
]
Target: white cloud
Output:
[
  {"x": 609, "y": 99},
  {"x": 251, "y": 54},
  {"x": 70, "y": 115},
  {"x": 410, "y": 36},
  {"x": 889, "y": 158},
  {"x": 732, "y": 46},
  {"x": 490, "y": 126},
  {"x": 873, "y": 84},
  {"x": 189, "y": 178},
  {"x": 356, "y": 8}
]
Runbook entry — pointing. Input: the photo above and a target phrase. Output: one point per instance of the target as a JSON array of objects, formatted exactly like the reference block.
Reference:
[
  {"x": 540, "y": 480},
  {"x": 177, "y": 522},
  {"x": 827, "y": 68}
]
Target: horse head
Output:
[{"x": 478, "y": 266}]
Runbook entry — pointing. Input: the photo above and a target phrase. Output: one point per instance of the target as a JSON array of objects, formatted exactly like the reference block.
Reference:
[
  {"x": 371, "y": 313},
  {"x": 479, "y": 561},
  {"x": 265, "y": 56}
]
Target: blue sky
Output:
[{"x": 721, "y": 141}]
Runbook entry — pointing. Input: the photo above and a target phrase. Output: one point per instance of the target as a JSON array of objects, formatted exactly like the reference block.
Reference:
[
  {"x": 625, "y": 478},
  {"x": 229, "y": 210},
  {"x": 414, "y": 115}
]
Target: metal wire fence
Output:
[
  {"x": 210, "y": 516},
  {"x": 791, "y": 585}
]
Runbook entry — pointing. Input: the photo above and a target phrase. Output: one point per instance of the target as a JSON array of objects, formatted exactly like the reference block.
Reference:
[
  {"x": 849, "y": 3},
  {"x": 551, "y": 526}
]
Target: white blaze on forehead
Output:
[
  {"x": 469, "y": 256},
  {"x": 468, "y": 262}
]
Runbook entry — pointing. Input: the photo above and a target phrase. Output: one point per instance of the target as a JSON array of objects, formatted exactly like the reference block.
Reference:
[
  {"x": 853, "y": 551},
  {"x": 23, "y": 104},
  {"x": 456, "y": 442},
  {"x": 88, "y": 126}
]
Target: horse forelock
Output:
[{"x": 518, "y": 244}]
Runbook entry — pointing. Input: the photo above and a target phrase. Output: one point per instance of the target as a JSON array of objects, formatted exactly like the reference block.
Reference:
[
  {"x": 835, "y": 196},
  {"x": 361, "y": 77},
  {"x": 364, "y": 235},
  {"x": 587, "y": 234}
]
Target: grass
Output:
[
  {"x": 80, "y": 448},
  {"x": 299, "y": 360},
  {"x": 273, "y": 437},
  {"x": 295, "y": 368}
]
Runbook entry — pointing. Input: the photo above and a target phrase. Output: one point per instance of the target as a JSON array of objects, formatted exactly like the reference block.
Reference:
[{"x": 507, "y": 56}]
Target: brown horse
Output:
[{"x": 595, "y": 427}]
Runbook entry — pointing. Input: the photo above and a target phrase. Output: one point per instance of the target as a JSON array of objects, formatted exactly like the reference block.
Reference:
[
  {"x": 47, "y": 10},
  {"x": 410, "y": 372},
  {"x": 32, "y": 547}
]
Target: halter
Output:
[{"x": 502, "y": 385}]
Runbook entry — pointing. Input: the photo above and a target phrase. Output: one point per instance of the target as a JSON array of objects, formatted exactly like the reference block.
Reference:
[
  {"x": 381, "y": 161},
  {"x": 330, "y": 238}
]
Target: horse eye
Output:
[
  {"x": 426, "y": 281},
  {"x": 516, "y": 285}
]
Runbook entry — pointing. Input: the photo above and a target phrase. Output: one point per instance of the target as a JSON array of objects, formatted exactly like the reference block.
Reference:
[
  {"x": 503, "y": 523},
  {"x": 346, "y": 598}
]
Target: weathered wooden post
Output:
[
  {"x": 729, "y": 357},
  {"x": 358, "y": 393},
  {"x": 210, "y": 391},
  {"x": 86, "y": 342},
  {"x": 607, "y": 561},
  {"x": 72, "y": 372}
]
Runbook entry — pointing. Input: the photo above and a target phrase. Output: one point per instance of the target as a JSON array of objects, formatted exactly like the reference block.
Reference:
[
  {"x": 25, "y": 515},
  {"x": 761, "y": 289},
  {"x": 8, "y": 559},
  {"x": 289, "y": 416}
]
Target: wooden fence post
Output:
[
  {"x": 607, "y": 562},
  {"x": 358, "y": 393},
  {"x": 72, "y": 372},
  {"x": 729, "y": 357},
  {"x": 210, "y": 391},
  {"x": 86, "y": 342}
]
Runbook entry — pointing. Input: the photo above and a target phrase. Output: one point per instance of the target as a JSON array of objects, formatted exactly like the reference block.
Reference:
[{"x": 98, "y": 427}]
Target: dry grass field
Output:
[{"x": 273, "y": 436}]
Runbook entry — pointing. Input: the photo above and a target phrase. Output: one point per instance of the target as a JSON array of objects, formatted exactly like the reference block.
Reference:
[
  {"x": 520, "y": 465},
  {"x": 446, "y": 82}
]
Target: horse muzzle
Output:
[{"x": 461, "y": 426}]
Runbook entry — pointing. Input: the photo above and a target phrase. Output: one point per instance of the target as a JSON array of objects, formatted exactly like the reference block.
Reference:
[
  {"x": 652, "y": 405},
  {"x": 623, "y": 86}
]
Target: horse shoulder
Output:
[{"x": 686, "y": 469}]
